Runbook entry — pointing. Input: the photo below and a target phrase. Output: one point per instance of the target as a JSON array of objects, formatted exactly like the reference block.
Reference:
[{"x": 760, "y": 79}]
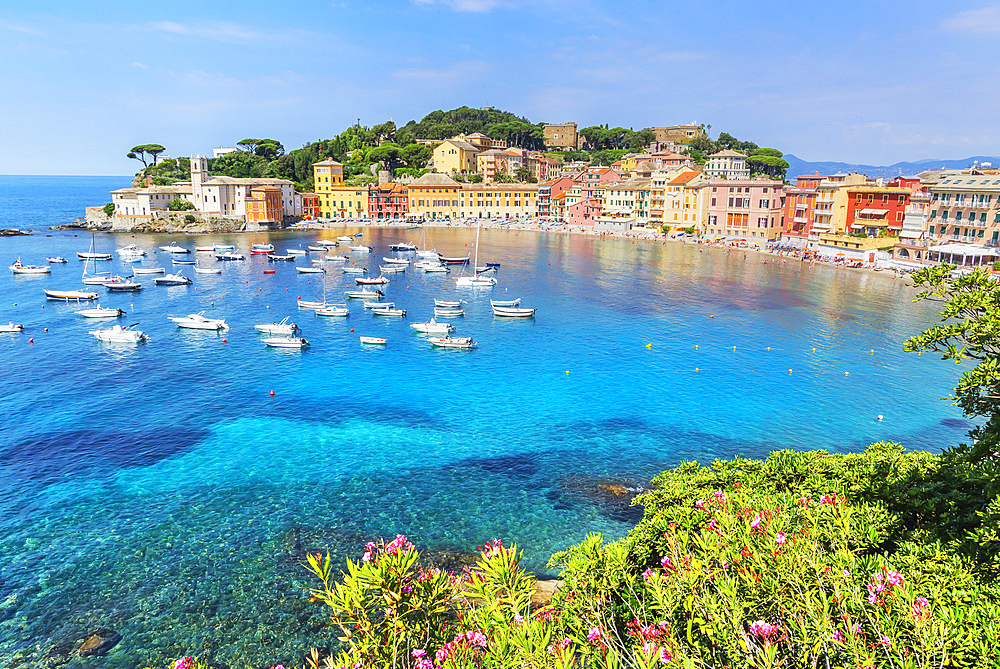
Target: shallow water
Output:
[{"x": 161, "y": 491}]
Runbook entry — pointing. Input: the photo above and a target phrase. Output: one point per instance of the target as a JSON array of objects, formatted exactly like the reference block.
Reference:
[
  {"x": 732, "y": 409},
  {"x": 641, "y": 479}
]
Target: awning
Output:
[
  {"x": 965, "y": 250},
  {"x": 910, "y": 234},
  {"x": 873, "y": 212}
]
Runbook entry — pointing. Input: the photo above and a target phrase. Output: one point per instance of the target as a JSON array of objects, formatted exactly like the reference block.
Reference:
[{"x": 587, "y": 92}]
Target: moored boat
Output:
[
  {"x": 392, "y": 269},
  {"x": 101, "y": 312},
  {"x": 174, "y": 247},
  {"x": 199, "y": 321},
  {"x": 439, "y": 311},
  {"x": 378, "y": 305},
  {"x": 117, "y": 334},
  {"x": 316, "y": 249},
  {"x": 452, "y": 342},
  {"x": 274, "y": 257},
  {"x": 229, "y": 255},
  {"x": 131, "y": 250},
  {"x": 361, "y": 249},
  {"x": 70, "y": 295},
  {"x": 364, "y": 294},
  {"x": 338, "y": 310},
  {"x": 373, "y": 281},
  {"x": 286, "y": 342},
  {"x": 402, "y": 246},
  {"x": 295, "y": 252},
  {"x": 354, "y": 270},
  {"x": 310, "y": 304},
  {"x": 207, "y": 270},
  {"x": 372, "y": 340},
  {"x": 147, "y": 270},
  {"x": 432, "y": 327},
  {"x": 57, "y": 260},
  {"x": 18, "y": 268},
  {"x": 12, "y": 327},
  {"x": 513, "y": 312},
  {"x": 282, "y": 327},
  {"x": 261, "y": 249},
  {"x": 182, "y": 261},
  {"x": 389, "y": 311},
  {"x": 177, "y": 279},
  {"x": 505, "y": 303},
  {"x": 449, "y": 260},
  {"x": 89, "y": 255},
  {"x": 345, "y": 238},
  {"x": 395, "y": 261},
  {"x": 448, "y": 304},
  {"x": 122, "y": 285},
  {"x": 310, "y": 270},
  {"x": 222, "y": 248}
]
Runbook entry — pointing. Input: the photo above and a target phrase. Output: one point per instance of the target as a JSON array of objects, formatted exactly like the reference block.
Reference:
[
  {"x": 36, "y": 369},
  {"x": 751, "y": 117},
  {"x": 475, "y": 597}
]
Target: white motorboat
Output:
[
  {"x": 183, "y": 261},
  {"x": 439, "y": 311},
  {"x": 204, "y": 249},
  {"x": 364, "y": 294},
  {"x": 402, "y": 246},
  {"x": 199, "y": 321},
  {"x": 177, "y": 279},
  {"x": 261, "y": 249},
  {"x": 392, "y": 269},
  {"x": 122, "y": 285},
  {"x": 513, "y": 312},
  {"x": 207, "y": 270},
  {"x": 222, "y": 248},
  {"x": 338, "y": 310},
  {"x": 379, "y": 305},
  {"x": 282, "y": 327},
  {"x": 450, "y": 260},
  {"x": 70, "y": 295},
  {"x": 310, "y": 270},
  {"x": 131, "y": 250},
  {"x": 96, "y": 279},
  {"x": 449, "y": 304},
  {"x": 117, "y": 334},
  {"x": 295, "y": 252},
  {"x": 327, "y": 243},
  {"x": 18, "y": 268},
  {"x": 147, "y": 270},
  {"x": 395, "y": 261},
  {"x": 12, "y": 327},
  {"x": 286, "y": 342},
  {"x": 346, "y": 238},
  {"x": 452, "y": 342},
  {"x": 433, "y": 327},
  {"x": 373, "y": 340},
  {"x": 505, "y": 303},
  {"x": 354, "y": 270},
  {"x": 90, "y": 255},
  {"x": 58, "y": 260},
  {"x": 431, "y": 269},
  {"x": 316, "y": 249},
  {"x": 274, "y": 257},
  {"x": 389, "y": 311},
  {"x": 336, "y": 258},
  {"x": 361, "y": 249},
  {"x": 374, "y": 281},
  {"x": 310, "y": 304},
  {"x": 230, "y": 255},
  {"x": 428, "y": 254},
  {"x": 101, "y": 312},
  {"x": 174, "y": 247}
]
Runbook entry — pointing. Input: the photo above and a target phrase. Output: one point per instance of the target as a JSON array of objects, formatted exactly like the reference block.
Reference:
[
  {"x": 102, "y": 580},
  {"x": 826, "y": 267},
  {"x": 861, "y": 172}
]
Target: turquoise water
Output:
[{"x": 162, "y": 492}]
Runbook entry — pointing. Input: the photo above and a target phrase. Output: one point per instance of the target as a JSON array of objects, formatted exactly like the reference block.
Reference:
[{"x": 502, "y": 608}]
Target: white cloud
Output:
[
  {"x": 477, "y": 6},
  {"x": 223, "y": 31},
  {"x": 141, "y": 66},
  {"x": 11, "y": 26},
  {"x": 977, "y": 21},
  {"x": 457, "y": 71}
]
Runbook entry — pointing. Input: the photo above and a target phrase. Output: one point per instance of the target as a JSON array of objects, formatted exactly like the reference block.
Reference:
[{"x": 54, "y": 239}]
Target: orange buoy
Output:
[
  {"x": 31, "y": 341},
  {"x": 272, "y": 393},
  {"x": 46, "y": 329},
  {"x": 224, "y": 340},
  {"x": 352, "y": 329}
]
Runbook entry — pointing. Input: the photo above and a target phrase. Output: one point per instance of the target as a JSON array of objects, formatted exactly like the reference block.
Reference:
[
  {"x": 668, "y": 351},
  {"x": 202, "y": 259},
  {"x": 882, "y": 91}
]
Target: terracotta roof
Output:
[
  {"x": 328, "y": 161},
  {"x": 683, "y": 178},
  {"x": 727, "y": 153},
  {"x": 434, "y": 179},
  {"x": 239, "y": 181},
  {"x": 645, "y": 165},
  {"x": 461, "y": 144}
]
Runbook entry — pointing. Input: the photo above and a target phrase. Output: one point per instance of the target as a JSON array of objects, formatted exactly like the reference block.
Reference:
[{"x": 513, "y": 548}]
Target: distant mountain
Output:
[{"x": 797, "y": 166}]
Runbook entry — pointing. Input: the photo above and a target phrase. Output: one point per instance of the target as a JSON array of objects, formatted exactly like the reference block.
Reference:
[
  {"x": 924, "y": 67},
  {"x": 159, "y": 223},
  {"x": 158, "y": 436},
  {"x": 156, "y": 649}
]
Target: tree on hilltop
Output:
[{"x": 140, "y": 152}]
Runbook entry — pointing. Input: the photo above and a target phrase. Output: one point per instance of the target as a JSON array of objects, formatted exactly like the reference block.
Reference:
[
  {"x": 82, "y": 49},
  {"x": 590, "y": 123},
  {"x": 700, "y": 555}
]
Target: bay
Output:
[{"x": 163, "y": 492}]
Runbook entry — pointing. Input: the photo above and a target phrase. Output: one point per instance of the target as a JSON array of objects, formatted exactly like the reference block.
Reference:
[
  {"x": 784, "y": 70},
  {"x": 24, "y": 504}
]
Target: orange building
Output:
[
  {"x": 310, "y": 206},
  {"x": 263, "y": 205}
]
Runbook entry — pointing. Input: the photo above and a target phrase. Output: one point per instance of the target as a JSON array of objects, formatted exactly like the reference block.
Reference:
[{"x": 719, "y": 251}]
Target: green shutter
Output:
[
  {"x": 982, "y": 217},
  {"x": 933, "y": 213}
]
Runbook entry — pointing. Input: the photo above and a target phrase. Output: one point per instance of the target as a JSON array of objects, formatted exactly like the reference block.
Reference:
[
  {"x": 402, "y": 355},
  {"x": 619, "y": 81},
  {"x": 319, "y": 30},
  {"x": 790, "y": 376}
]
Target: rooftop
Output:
[{"x": 433, "y": 179}]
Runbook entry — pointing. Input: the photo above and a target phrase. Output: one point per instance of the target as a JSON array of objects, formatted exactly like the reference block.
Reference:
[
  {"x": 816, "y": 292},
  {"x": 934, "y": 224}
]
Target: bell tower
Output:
[{"x": 199, "y": 174}]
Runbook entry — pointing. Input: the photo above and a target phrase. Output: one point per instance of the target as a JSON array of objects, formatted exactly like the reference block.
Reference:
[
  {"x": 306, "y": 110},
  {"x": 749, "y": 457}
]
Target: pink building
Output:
[
  {"x": 583, "y": 212},
  {"x": 749, "y": 209}
]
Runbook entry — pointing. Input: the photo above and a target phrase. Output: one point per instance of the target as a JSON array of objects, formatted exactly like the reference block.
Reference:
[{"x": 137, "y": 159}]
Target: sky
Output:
[{"x": 862, "y": 82}]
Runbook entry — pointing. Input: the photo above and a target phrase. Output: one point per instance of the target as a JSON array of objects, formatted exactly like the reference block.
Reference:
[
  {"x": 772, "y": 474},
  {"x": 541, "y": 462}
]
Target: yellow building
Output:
[
  {"x": 503, "y": 201},
  {"x": 328, "y": 178},
  {"x": 456, "y": 156},
  {"x": 435, "y": 196},
  {"x": 683, "y": 203},
  {"x": 345, "y": 202}
]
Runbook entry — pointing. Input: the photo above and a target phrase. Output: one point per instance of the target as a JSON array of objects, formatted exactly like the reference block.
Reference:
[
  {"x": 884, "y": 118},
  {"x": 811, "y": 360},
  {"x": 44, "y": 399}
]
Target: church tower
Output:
[{"x": 199, "y": 175}]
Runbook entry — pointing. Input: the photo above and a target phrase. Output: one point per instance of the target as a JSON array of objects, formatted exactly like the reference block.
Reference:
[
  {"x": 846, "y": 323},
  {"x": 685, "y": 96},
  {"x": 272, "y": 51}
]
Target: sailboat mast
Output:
[{"x": 475, "y": 266}]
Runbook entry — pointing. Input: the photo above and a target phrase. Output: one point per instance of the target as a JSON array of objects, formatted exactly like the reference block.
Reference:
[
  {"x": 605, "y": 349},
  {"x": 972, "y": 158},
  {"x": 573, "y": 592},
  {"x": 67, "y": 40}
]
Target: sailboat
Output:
[
  {"x": 424, "y": 253},
  {"x": 308, "y": 304},
  {"x": 476, "y": 280},
  {"x": 97, "y": 278}
]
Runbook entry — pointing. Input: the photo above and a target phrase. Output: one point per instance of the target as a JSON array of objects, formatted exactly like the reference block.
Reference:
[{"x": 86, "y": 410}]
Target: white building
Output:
[
  {"x": 727, "y": 164},
  {"x": 222, "y": 150}
]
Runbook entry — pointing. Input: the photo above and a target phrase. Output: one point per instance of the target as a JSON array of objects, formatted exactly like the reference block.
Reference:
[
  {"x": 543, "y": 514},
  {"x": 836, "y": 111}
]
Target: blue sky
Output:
[{"x": 873, "y": 82}]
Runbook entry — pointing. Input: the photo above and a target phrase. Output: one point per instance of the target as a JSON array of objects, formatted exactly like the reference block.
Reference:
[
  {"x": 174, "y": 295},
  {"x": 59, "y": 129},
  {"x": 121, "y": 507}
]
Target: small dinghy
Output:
[
  {"x": 286, "y": 342},
  {"x": 346, "y": 238},
  {"x": 395, "y": 261},
  {"x": 57, "y": 260},
  {"x": 283, "y": 327},
  {"x": 452, "y": 342},
  {"x": 11, "y": 327},
  {"x": 181, "y": 261},
  {"x": 207, "y": 270},
  {"x": 222, "y": 248},
  {"x": 513, "y": 312},
  {"x": 101, "y": 312},
  {"x": 117, "y": 334},
  {"x": 354, "y": 270},
  {"x": 392, "y": 269},
  {"x": 439, "y": 311},
  {"x": 402, "y": 246},
  {"x": 316, "y": 249},
  {"x": 274, "y": 257},
  {"x": 447, "y": 260},
  {"x": 505, "y": 303},
  {"x": 147, "y": 270},
  {"x": 431, "y": 269},
  {"x": 336, "y": 258},
  {"x": 373, "y": 340},
  {"x": 310, "y": 270},
  {"x": 68, "y": 295},
  {"x": 335, "y": 310},
  {"x": 295, "y": 252},
  {"x": 379, "y": 305},
  {"x": 174, "y": 247},
  {"x": 389, "y": 311},
  {"x": 123, "y": 285},
  {"x": 327, "y": 243},
  {"x": 204, "y": 249},
  {"x": 374, "y": 281},
  {"x": 449, "y": 304},
  {"x": 308, "y": 304},
  {"x": 361, "y": 249},
  {"x": 261, "y": 249},
  {"x": 229, "y": 255}
]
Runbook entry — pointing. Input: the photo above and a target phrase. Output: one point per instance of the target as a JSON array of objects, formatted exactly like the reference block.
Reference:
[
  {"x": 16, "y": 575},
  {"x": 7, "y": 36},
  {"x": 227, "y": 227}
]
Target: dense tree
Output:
[
  {"x": 140, "y": 151},
  {"x": 109, "y": 209},
  {"x": 249, "y": 144},
  {"x": 523, "y": 174},
  {"x": 769, "y": 162},
  {"x": 416, "y": 155},
  {"x": 178, "y": 204},
  {"x": 237, "y": 164}
]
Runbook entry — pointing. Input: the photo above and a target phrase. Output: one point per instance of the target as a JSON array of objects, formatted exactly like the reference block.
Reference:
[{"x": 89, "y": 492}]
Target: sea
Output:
[{"x": 169, "y": 491}]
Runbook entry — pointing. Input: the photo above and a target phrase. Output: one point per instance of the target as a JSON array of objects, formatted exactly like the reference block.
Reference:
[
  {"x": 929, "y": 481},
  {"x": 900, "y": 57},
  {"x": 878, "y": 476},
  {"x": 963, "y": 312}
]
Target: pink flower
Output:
[
  {"x": 764, "y": 630},
  {"x": 837, "y": 636},
  {"x": 893, "y": 578},
  {"x": 183, "y": 663},
  {"x": 755, "y": 523},
  {"x": 648, "y": 575},
  {"x": 422, "y": 661},
  {"x": 700, "y": 504},
  {"x": 594, "y": 634},
  {"x": 519, "y": 620},
  {"x": 712, "y": 525},
  {"x": 666, "y": 562},
  {"x": 884, "y": 640},
  {"x": 919, "y": 607},
  {"x": 407, "y": 589},
  {"x": 804, "y": 501},
  {"x": 846, "y": 574},
  {"x": 780, "y": 538},
  {"x": 720, "y": 496}
]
